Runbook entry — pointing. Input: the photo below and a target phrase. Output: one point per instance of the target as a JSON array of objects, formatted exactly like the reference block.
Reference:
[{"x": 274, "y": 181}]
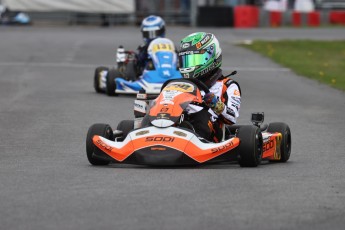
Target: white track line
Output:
[
  {"x": 76, "y": 65},
  {"x": 48, "y": 64}
]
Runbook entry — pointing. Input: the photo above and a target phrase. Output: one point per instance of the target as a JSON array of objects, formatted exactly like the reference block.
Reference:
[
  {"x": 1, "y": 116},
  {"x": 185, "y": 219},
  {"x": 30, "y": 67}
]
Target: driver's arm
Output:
[{"x": 232, "y": 101}]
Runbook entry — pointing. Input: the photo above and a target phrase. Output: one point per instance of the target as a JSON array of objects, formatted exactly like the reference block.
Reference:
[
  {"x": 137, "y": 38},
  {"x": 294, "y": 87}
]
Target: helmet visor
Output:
[
  {"x": 153, "y": 32},
  {"x": 150, "y": 34},
  {"x": 195, "y": 58}
]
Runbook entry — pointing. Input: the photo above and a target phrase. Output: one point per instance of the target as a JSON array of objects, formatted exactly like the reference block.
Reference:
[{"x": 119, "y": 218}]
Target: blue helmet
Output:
[{"x": 152, "y": 27}]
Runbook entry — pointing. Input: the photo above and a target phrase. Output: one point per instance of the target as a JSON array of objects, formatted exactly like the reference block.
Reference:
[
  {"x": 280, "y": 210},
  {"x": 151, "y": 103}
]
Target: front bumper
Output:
[{"x": 164, "y": 146}]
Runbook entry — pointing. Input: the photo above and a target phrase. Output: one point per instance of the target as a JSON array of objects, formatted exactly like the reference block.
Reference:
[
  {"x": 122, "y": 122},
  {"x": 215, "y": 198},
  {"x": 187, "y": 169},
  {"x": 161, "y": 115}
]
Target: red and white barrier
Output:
[
  {"x": 251, "y": 16},
  {"x": 246, "y": 16},
  {"x": 337, "y": 17},
  {"x": 308, "y": 19}
]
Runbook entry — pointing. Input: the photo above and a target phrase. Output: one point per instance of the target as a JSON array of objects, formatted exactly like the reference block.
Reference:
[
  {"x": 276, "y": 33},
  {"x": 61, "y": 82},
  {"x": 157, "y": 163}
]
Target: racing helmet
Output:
[
  {"x": 152, "y": 27},
  {"x": 200, "y": 57}
]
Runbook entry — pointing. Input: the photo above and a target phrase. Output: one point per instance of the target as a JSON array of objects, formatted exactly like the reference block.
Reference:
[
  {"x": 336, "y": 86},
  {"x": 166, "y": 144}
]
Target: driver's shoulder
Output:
[{"x": 227, "y": 83}]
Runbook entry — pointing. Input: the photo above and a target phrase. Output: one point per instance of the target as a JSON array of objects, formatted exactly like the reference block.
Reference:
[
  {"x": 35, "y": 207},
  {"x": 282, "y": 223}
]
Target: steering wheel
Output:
[
  {"x": 201, "y": 85},
  {"x": 197, "y": 82}
]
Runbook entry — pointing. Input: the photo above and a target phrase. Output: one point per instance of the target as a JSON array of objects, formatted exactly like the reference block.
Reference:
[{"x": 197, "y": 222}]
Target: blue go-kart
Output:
[{"x": 162, "y": 66}]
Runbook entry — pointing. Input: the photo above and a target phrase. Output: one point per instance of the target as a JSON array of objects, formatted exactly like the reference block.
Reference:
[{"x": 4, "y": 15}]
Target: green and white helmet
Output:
[{"x": 200, "y": 56}]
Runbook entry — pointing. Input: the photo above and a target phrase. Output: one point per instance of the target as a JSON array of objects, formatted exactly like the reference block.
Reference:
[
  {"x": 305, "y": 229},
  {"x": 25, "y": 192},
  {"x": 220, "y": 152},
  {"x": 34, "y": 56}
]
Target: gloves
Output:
[{"x": 212, "y": 102}]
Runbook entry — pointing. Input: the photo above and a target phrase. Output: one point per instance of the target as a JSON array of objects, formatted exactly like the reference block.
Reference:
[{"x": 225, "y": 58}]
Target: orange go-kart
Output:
[{"x": 161, "y": 135}]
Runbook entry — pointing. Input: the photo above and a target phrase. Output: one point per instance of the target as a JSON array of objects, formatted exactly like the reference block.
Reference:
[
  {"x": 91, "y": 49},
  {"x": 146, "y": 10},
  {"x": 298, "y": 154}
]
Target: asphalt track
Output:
[{"x": 47, "y": 104}]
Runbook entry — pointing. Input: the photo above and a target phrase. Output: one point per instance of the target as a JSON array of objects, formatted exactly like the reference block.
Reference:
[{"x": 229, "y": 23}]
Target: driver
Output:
[
  {"x": 200, "y": 57},
  {"x": 152, "y": 27}
]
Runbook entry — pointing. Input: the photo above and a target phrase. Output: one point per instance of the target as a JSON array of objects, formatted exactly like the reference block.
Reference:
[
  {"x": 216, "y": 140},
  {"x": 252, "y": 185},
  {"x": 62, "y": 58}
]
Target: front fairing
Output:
[
  {"x": 169, "y": 146},
  {"x": 165, "y": 67},
  {"x": 167, "y": 109},
  {"x": 160, "y": 75}
]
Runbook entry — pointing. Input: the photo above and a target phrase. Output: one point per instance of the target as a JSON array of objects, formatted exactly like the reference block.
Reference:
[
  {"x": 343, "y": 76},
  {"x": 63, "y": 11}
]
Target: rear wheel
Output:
[
  {"x": 250, "y": 148},
  {"x": 103, "y": 130},
  {"x": 97, "y": 76},
  {"x": 285, "y": 147},
  {"x": 111, "y": 85},
  {"x": 125, "y": 126}
]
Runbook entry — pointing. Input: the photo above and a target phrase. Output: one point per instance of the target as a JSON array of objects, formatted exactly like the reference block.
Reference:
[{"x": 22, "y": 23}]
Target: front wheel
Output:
[
  {"x": 285, "y": 146},
  {"x": 103, "y": 130},
  {"x": 111, "y": 84},
  {"x": 97, "y": 78},
  {"x": 250, "y": 148}
]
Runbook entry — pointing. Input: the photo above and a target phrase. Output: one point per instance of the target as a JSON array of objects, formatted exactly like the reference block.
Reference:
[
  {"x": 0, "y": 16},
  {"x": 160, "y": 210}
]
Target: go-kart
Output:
[
  {"x": 161, "y": 135},
  {"x": 8, "y": 17},
  {"x": 162, "y": 66}
]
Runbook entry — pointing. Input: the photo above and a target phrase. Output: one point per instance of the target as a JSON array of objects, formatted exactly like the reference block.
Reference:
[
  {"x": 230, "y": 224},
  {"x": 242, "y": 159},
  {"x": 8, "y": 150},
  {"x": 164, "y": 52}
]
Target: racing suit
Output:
[
  {"x": 142, "y": 57},
  {"x": 206, "y": 122}
]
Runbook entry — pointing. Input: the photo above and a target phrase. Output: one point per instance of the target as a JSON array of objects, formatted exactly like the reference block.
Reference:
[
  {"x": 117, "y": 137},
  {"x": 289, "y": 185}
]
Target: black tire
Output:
[
  {"x": 125, "y": 126},
  {"x": 103, "y": 130},
  {"x": 97, "y": 76},
  {"x": 130, "y": 73},
  {"x": 250, "y": 148},
  {"x": 285, "y": 147},
  {"x": 111, "y": 85}
]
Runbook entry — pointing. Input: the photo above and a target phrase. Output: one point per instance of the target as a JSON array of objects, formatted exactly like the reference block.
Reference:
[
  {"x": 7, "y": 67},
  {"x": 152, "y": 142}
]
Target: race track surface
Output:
[{"x": 47, "y": 104}]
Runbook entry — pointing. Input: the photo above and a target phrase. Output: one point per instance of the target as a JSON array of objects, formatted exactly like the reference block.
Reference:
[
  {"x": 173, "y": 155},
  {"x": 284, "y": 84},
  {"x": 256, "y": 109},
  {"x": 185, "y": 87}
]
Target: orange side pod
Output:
[
  {"x": 203, "y": 155},
  {"x": 119, "y": 154}
]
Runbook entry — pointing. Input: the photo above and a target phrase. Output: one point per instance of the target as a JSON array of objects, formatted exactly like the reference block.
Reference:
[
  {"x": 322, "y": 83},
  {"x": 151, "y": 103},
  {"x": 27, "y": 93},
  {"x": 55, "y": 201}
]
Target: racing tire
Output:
[
  {"x": 285, "y": 147},
  {"x": 96, "y": 77},
  {"x": 250, "y": 148},
  {"x": 111, "y": 84},
  {"x": 130, "y": 74},
  {"x": 125, "y": 126},
  {"x": 103, "y": 130}
]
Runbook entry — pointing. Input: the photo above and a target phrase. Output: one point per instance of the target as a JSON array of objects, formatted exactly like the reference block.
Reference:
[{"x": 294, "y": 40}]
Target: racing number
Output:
[
  {"x": 179, "y": 87},
  {"x": 183, "y": 86},
  {"x": 162, "y": 46}
]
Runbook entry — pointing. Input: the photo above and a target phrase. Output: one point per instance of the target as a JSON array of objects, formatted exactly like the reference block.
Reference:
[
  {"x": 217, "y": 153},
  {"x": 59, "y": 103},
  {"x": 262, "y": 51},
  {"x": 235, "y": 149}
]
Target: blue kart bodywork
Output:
[
  {"x": 165, "y": 68},
  {"x": 162, "y": 65}
]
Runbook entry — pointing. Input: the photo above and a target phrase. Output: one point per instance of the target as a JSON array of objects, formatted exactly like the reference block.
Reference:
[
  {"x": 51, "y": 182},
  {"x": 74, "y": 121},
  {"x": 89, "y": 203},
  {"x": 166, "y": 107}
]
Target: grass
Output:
[{"x": 323, "y": 61}]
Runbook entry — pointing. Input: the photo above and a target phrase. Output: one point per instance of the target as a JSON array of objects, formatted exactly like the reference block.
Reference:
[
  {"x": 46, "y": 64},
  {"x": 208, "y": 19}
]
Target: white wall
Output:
[{"x": 89, "y": 6}]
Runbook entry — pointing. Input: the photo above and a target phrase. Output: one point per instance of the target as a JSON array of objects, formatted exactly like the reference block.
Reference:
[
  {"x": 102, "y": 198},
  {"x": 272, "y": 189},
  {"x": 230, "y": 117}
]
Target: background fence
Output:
[{"x": 232, "y": 13}]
